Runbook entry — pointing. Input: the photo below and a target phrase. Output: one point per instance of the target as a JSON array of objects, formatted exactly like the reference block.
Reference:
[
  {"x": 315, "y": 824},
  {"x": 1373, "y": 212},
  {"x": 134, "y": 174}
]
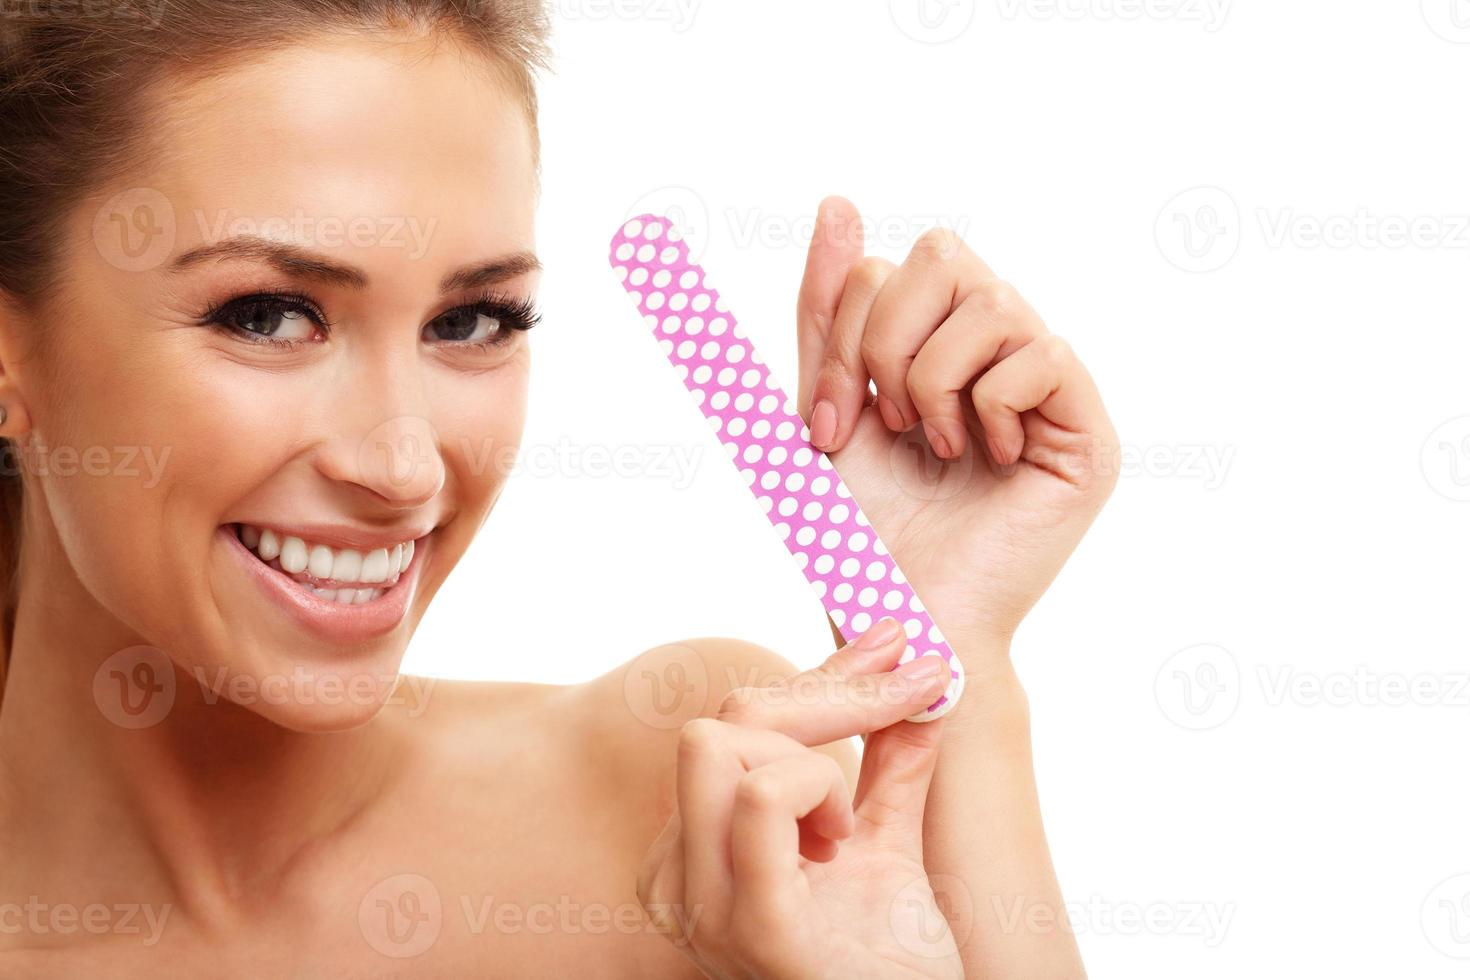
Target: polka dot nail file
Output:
[{"x": 811, "y": 508}]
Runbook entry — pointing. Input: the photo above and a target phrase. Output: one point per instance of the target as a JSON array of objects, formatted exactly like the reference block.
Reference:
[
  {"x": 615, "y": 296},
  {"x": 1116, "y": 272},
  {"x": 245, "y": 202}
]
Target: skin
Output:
[{"x": 732, "y": 835}]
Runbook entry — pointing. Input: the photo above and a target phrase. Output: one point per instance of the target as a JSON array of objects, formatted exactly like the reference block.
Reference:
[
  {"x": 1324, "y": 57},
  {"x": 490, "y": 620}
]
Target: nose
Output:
[{"x": 396, "y": 457}]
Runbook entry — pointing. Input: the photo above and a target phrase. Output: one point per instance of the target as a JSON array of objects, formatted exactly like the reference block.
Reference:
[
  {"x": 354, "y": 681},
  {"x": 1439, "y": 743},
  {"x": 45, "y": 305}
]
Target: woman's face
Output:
[{"x": 355, "y": 429}]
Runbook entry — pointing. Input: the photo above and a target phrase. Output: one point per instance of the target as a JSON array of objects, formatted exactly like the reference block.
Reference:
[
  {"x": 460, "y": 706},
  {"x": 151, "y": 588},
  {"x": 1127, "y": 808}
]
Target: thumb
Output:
[
  {"x": 893, "y": 784},
  {"x": 837, "y": 246}
]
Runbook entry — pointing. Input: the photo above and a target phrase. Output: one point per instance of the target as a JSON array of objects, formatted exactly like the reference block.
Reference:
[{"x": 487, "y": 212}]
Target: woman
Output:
[{"x": 244, "y": 454}]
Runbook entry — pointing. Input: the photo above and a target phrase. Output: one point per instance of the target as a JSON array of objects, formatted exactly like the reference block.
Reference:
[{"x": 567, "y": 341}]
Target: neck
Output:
[{"x": 205, "y": 806}]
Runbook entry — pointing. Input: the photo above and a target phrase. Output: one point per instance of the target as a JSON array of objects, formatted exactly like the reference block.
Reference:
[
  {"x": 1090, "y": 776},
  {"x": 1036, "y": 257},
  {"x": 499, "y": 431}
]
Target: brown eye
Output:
[
  {"x": 278, "y": 319},
  {"x": 467, "y": 325}
]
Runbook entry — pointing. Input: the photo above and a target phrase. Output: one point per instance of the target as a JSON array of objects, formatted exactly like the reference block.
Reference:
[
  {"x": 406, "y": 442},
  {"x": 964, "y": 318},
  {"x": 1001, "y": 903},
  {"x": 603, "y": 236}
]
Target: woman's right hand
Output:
[{"x": 748, "y": 878}]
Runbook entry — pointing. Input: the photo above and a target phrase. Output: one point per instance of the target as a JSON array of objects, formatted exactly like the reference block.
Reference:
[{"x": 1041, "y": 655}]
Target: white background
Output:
[{"x": 1249, "y": 685}]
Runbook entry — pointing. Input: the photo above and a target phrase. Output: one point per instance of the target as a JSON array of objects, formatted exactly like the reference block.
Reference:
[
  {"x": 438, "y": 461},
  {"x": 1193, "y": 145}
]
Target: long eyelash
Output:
[
  {"x": 275, "y": 301},
  {"x": 514, "y": 314}
]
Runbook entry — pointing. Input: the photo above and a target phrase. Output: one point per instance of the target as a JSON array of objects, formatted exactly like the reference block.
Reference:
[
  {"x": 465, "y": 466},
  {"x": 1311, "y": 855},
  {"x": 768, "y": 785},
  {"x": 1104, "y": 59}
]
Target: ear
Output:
[{"x": 14, "y": 324}]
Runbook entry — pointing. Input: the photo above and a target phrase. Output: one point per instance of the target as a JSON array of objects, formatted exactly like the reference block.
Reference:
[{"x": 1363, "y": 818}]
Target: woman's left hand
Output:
[{"x": 1020, "y": 453}]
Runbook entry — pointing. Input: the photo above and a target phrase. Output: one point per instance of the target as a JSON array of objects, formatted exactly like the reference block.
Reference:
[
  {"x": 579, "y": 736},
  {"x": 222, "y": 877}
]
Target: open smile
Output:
[{"x": 342, "y": 593}]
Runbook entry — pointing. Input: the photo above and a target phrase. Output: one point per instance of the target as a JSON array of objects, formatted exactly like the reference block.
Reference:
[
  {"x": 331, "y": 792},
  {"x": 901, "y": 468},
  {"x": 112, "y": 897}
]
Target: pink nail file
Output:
[{"x": 811, "y": 508}]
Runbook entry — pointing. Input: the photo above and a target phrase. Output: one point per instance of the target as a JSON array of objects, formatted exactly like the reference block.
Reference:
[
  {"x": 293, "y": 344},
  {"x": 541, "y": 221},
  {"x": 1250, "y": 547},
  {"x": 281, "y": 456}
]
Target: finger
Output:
[
  {"x": 660, "y": 886},
  {"x": 837, "y": 246},
  {"x": 893, "y": 784},
  {"x": 770, "y": 803},
  {"x": 853, "y": 692},
  {"x": 937, "y": 276},
  {"x": 842, "y": 377},
  {"x": 714, "y": 756},
  {"x": 992, "y": 323},
  {"x": 1046, "y": 376}
]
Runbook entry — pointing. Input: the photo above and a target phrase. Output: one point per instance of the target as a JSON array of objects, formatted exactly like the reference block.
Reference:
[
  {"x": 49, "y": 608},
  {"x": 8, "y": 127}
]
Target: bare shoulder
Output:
[{"x": 640, "y": 707}]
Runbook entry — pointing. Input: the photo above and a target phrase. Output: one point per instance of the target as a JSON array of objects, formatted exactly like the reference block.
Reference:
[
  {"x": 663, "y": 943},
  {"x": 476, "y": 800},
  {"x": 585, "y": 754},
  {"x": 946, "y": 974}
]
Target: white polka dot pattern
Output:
[{"x": 811, "y": 508}]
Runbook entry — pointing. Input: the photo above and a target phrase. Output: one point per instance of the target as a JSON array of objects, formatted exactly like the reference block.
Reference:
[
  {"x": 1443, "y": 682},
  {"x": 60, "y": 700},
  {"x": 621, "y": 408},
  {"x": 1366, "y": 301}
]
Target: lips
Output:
[
  {"x": 341, "y": 594},
  {"x": 345, "y": 575}
]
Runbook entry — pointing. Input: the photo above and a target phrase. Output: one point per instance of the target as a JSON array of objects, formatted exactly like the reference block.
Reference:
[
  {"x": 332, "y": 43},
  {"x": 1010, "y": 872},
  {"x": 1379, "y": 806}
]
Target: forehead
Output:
[{"x": 349, "y": 132}]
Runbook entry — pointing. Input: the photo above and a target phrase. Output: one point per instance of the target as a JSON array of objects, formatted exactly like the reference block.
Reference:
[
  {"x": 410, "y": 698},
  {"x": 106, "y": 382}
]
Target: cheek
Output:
[
  {"x": 480, "y": 421},
  {"x": 135, "y": 456}
]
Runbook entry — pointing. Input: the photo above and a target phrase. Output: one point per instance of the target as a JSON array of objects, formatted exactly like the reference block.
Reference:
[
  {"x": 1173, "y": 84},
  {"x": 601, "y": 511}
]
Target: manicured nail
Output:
[
  {"x": 892, "y": 417},
  {"x": 880, "y": 634},
  {"x": 824, "y": 425},
  {"x": 998, "y": 451},
  {"x": 921, "y": 669},
  {"x": 937, "y": 441}
]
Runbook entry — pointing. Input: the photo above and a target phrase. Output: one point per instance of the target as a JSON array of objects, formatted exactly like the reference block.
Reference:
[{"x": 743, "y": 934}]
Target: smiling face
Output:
[{"x": 292, "y": 347}]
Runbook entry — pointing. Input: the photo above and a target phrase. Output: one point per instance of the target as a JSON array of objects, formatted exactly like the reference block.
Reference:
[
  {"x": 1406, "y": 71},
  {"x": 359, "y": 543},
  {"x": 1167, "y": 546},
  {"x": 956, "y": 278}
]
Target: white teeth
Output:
[
  {"x": 320, "y": 563},
  {"x": 347, "y": 567},
  {"x": 293, "y": 555},
  {"x": 325, "y": 563},
  {"x": 375, "y": 566}
]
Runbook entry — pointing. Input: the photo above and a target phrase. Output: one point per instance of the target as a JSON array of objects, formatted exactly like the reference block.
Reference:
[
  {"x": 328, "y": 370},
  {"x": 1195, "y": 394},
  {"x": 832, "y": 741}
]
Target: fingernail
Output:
[
  {"x": 937, "y": 441},
  {"x": 881, "y": 633},
  {"x": 892, "y": 417},
  {"x": 921, "y": 669},
  {"x": 824, "y": 424}
]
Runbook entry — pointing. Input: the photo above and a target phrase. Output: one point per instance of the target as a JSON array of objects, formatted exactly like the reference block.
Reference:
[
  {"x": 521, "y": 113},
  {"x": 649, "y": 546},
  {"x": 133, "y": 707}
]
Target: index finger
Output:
[
  {"x": 837, "y": 246},
  {"x": 853, "y": 692}
]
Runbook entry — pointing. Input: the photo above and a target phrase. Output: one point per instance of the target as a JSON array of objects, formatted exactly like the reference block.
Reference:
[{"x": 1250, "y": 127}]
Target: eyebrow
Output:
[{"x": 296, "y": 260}]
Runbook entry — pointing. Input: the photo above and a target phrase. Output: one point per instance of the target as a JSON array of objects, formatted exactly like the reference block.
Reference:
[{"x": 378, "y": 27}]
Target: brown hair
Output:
[{"x": 75, "y": 78}]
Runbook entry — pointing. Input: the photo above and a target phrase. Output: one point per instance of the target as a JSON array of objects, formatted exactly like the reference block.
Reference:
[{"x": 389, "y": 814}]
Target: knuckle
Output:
[
  {"x": 869, "y": 274},
  {"x": 699, "y": 737},
  {"x": 875, "y": 348},
  {"x": 758, "y": 791},
  {"x": 922, "y": 384},
  {"x": 998, "y": 298},
  {"x": 985, "y": 398},
  {"x": 839, "y": 365},
  {"x": 938, "y": 245},
  {"x": 1056, "y": 350}
]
